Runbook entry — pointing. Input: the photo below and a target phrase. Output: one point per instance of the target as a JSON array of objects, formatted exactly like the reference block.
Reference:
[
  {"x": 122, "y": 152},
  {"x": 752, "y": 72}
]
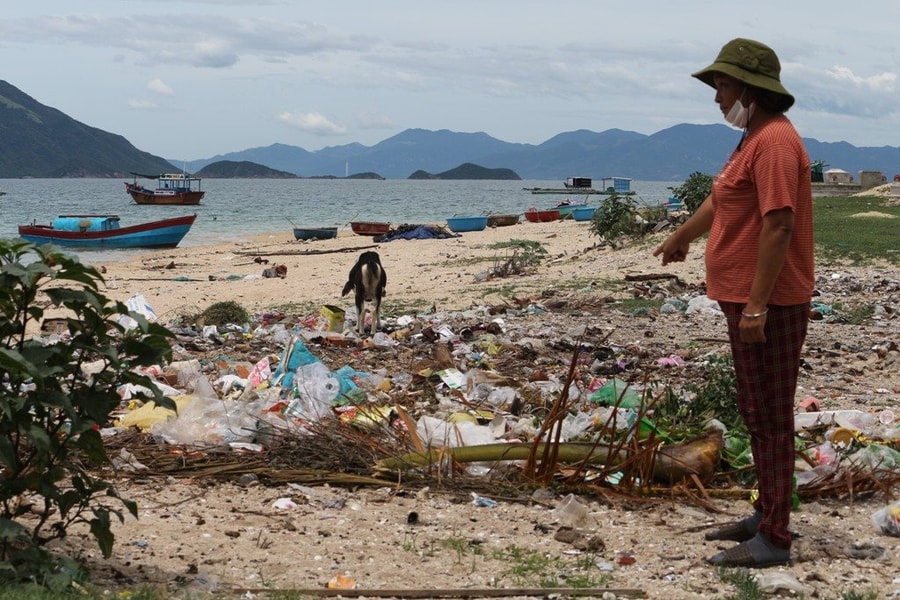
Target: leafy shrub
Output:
[
  {"x": 222, "y": 313},
  {"x": 694, "y": 191},
  {"x": 54, "y": 399},
  {"x": 615, "y": 217}
]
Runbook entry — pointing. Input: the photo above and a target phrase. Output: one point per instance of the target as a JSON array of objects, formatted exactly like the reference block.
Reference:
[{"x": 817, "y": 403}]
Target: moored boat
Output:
[
  {"x": 370, "y": 227},
  {"x": 105, "y": 231},
  {"x": 171, "y": 188},
  {"x": 534, "y": 215},
  {"x": 315, "y": 233},
  {"x": 620, "y": 186}
]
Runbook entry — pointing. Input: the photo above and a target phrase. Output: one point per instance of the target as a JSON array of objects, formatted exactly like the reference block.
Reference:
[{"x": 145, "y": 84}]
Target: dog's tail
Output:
[{"x": 347, "y": 287}]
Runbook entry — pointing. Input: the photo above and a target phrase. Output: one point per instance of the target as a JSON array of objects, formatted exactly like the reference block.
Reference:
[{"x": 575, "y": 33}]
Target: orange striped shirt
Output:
[{"x": 770, "y": 171}]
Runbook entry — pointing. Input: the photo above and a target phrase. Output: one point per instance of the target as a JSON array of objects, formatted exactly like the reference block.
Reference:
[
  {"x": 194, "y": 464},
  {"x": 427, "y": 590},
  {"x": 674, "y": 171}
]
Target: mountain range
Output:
[{"x": 40, "y": 141}]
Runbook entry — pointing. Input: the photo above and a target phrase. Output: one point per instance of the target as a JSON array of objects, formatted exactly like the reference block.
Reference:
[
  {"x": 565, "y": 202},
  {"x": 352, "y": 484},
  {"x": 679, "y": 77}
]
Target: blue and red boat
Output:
[{"x": 104, "y": 231}]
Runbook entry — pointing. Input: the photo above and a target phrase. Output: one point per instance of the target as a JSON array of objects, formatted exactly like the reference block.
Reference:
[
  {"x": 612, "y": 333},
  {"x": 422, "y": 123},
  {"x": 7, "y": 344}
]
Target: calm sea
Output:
[{"x": 234, "y": 208}]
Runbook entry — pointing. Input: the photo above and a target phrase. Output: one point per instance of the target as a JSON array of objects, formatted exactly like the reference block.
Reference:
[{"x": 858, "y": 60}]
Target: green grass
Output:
[
  {"x": 844, "y": 238},
  {"x": 636, "y": 306}
]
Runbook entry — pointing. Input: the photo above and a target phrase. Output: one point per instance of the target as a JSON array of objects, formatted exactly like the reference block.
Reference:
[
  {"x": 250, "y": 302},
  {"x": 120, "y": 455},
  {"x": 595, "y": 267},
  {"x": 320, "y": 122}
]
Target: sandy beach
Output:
[
  {"x": 227, "y": 537},
  {"x": 447, "y": 274}
]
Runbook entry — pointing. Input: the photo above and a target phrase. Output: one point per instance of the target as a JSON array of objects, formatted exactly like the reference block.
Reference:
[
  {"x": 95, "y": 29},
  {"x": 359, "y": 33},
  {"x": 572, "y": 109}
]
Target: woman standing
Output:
[{"x": 759, "y": 267}]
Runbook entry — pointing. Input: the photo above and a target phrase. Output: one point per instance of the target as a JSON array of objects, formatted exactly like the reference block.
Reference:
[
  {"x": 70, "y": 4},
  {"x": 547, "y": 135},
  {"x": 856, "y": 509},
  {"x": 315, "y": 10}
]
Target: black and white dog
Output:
[{"x": 368, "y": 280}]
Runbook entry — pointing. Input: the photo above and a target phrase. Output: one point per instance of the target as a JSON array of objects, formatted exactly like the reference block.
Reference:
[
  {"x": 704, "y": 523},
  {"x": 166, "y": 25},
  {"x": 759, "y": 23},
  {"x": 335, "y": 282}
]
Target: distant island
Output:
[
  {"x": 469, "y": 171},
  {"x": 368, "y": 175},
  {"x": 230, "y": 169}
]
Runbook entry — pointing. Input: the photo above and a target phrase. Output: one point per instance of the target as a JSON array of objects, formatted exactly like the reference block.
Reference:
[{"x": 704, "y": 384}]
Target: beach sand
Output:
[{"x": 447, "y": 274}]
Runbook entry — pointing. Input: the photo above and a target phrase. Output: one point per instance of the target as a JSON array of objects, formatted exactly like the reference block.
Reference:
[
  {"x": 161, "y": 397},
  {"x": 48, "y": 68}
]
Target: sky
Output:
[{"x": 194, "y": 79}]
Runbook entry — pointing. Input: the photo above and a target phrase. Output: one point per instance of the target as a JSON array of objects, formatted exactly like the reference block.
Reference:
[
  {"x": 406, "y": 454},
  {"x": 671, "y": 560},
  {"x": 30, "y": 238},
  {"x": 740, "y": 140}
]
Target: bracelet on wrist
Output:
[{"x": 754, "y": 315}]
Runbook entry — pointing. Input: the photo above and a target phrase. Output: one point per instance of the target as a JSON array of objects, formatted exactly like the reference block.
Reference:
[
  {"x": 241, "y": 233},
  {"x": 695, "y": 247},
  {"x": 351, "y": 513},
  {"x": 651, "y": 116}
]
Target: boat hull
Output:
[
  {"x": 166, "y": 233},
  {"x": 370, "y": 227},
  {"x": 533, "y": 215},
  {"x": 315, "y": 233}
]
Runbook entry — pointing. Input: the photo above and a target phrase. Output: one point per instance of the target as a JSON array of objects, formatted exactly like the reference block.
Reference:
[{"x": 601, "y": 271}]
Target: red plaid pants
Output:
[{"x": 767, "y": 382}]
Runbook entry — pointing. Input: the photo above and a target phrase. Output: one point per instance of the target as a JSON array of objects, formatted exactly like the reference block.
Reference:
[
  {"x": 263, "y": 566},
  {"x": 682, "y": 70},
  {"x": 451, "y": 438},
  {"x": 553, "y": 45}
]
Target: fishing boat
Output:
[
  {"x": 171, "y": 188},
  {"x": 314, "y": 233},
  {"x": 463, "y": 224},
  {"x": 533, "y": 215},
  {"x": 105, "y": 231},
  {"x": 502, "y": 220},
  {"x": 370, "y": 227}
]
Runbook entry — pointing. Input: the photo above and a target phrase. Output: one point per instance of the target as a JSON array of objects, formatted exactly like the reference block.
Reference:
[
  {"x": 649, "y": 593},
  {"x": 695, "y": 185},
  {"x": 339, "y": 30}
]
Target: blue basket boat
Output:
[
  {"x": 583, "y": 213},
  {"x": 462, "y": 224}
]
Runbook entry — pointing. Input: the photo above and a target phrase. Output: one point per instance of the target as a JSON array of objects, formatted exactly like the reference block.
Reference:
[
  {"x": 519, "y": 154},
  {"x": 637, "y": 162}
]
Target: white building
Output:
[{"x": 837, "y": 176}]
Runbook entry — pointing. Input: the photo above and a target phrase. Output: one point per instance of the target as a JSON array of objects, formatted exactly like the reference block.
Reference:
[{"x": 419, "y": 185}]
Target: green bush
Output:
[
  {"x": 55, "y": 396},
  {"x": 694, "y": 191},
  {"x": 223, "y": 313},
  {"x": 615, "y": 218}
]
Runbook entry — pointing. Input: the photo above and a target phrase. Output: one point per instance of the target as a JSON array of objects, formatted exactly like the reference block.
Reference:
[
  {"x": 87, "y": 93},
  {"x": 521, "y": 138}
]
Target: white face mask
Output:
[{"x": 739, "y": 115}]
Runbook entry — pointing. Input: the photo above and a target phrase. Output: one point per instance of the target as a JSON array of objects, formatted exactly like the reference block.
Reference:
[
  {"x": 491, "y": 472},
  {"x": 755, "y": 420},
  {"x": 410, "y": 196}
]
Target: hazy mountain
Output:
[
  {"x": 470, "y": 172},
  {"x": 39, "y": 141},
  {"x": 668, "y": 155}
]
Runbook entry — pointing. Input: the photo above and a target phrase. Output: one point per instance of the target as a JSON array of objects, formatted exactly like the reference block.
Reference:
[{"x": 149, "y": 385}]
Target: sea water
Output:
[{"x": 236, "y": 208}]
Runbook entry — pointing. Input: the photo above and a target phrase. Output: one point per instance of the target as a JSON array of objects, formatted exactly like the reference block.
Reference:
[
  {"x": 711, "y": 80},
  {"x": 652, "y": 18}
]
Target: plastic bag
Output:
[
  {"x": 887, "y": 519},
  {"x": 612, "y": 390}
]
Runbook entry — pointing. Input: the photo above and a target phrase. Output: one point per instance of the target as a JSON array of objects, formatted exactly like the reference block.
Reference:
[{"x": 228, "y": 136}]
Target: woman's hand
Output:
[
  {"x": 672, "y": 250},
  {"x": 753, "y": 329}
]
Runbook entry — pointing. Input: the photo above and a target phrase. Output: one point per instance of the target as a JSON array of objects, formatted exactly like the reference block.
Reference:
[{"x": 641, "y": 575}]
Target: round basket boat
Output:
[{"x": 462, "y": 224}]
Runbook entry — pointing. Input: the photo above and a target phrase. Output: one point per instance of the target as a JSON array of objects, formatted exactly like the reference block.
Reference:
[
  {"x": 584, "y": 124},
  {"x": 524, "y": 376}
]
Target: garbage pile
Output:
[
  {"x": 467, "y": 377},
  {"x": 510, "y": 380}
]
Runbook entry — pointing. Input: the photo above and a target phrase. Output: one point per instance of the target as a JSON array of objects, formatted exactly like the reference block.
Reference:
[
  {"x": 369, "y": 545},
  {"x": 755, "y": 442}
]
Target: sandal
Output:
[
  {"x": 737, "y": 531},
  {"x": 755, "y": 553}
]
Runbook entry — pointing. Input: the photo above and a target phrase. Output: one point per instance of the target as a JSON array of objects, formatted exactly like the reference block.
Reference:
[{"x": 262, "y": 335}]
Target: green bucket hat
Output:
[{"x": 749, "y": 61}]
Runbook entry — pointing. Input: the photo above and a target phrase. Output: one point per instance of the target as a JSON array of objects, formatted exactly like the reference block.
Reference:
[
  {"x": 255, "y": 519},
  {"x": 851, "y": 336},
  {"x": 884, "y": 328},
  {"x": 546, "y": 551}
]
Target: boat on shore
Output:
[
  {"x": 371, "y": 228},
  {"x": 463, "y": 224},
  {"x": 585, "y": 212},
  {"x": 105, "y": 231},
  {"x": 533, "y": 215},
  {"x": 171, "y": 188},
  {"x": 315, "y": 233},
  {"x": 568, "y": 207},
  {"x": 502, "y": 220}
]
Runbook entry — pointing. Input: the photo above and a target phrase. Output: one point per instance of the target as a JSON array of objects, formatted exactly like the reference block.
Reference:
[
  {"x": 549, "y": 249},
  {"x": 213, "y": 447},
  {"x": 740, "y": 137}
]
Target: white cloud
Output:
[
  {"x": 313, "y": 122},
  {"x": 880, "y": 82},
  {"x": 160, "y": 87},
  {"x": 371, "y": 120},
  {"x": 141, "y": 104}
]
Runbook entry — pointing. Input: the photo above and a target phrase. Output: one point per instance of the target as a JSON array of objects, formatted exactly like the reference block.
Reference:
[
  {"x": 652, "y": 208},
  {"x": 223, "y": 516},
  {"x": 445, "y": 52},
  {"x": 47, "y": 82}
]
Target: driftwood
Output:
[
  {"x": 650, "y": 276},
  {"x": 305, "y": 252}
]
